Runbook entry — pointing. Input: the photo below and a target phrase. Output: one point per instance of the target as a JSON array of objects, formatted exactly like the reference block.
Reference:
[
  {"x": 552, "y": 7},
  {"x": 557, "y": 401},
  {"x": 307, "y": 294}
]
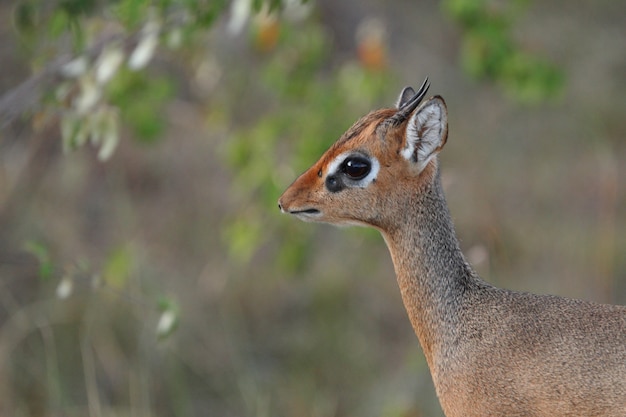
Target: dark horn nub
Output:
[{"x": 407, "y": 108}]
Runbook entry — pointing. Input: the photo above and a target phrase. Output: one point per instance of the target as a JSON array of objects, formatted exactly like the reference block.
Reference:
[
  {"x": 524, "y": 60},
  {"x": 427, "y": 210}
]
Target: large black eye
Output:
[{"x": 356, "y": 168}]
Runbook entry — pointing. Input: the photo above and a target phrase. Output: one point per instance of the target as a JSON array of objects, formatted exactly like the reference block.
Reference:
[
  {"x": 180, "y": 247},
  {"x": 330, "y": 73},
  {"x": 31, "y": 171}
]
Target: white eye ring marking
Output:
[{"x": 333, "y": 169}]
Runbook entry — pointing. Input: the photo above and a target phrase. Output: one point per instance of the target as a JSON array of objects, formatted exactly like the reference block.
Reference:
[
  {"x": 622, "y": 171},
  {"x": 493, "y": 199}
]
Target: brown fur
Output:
[{"x": 491, "y": 351}]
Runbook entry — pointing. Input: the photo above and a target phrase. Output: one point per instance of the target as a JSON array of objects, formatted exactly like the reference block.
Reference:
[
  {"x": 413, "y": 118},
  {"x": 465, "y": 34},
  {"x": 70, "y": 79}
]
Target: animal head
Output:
[{"x": 371, "y": 173}]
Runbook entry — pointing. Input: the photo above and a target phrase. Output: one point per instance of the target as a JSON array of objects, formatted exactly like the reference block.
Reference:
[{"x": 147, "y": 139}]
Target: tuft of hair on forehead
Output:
[{"x": 366, "y": 124}]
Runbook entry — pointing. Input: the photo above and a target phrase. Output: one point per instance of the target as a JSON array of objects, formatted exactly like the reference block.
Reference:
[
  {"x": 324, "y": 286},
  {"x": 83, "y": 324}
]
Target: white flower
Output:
[
  {"x": 239, "y": 15},
  {"x": 167, "y": 323},
  {"x": 109, "y": 136},
  {"x": 65, "y": 288},
  {"x": 108, "y": 63},
  {"x": 75, "y": 68},
  {"x": 144, "y": 51},
  {"x": 90, "y": 93}
]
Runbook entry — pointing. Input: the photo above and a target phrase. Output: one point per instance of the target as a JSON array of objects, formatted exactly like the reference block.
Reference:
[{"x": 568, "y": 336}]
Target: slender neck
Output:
[{"x": 431, "y": 271}]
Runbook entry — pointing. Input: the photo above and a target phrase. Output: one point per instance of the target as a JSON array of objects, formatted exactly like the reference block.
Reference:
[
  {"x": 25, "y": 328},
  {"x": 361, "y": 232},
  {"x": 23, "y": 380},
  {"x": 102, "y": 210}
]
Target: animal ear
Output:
[
  {"x": 405, "y": 95},
  {"x": 426, "y": 132}
]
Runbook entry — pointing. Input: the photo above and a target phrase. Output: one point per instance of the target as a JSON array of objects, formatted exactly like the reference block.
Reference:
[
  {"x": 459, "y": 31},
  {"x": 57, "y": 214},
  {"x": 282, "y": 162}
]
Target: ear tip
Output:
[
  {"x": 436, "y": 101},
  {"x": 438, "y": 98}
]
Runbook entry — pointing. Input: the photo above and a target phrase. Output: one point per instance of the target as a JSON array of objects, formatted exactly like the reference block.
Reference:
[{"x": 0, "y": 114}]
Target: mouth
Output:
[
  {"x": 310, "y": 211},
  {"x": 307, "y": 215}
]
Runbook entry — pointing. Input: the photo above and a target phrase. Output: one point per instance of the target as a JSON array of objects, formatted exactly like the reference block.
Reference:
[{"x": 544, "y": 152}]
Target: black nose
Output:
[{"x": 280, "y": 207}]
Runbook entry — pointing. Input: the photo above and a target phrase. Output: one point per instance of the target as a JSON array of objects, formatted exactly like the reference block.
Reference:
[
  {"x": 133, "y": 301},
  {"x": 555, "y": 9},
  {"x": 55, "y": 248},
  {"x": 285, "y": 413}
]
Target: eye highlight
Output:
[{"x": 356, "y": 168}]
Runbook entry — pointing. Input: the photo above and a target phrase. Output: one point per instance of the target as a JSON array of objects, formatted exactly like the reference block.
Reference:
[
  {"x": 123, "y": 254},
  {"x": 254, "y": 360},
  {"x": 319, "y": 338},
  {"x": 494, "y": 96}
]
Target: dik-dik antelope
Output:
[{"x": 491, "y": 351}]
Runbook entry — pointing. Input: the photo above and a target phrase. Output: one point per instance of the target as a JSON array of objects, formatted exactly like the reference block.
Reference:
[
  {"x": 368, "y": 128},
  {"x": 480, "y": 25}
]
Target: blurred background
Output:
[{"x": 145, "y": 269}]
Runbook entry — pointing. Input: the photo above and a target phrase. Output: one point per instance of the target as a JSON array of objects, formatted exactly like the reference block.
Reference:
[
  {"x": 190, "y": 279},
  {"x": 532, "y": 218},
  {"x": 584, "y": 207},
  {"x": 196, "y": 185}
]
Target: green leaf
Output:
[
  {"x": 489, "y": 51},
  {"x": 41, "y": 252},
  {"x": 468, "y": 12},
  {"x": 141, "y": 100},
  {"x": 59, "y": 24},
  {"x": 118, "y": 267},
  {"x": 206, "y": 12},
  {"x": 132, "y": 12}
]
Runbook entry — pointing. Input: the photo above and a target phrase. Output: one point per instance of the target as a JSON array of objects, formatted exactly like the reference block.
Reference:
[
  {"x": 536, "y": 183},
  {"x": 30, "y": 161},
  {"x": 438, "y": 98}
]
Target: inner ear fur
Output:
[{"x": 426, "y": 132}]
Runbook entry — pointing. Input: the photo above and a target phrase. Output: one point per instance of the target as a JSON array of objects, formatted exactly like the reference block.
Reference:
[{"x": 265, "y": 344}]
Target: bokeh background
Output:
[{"x": 150, "y": 273}]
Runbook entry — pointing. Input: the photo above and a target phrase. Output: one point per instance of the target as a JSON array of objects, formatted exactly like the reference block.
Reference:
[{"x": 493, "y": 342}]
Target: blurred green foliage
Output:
[
  {"x": 489, "y": 51},
  {"x": 93, "y": 28},
  {"x": 141, "y": 99}
]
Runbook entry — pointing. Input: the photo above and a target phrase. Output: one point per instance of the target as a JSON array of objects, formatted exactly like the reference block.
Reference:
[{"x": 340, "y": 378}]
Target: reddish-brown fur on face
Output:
[{"x": 369, "y": 135}]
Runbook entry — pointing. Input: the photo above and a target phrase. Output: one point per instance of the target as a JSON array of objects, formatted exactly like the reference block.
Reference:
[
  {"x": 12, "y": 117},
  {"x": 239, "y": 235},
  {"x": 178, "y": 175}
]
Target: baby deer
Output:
[{"x": 491, "y": 351}]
